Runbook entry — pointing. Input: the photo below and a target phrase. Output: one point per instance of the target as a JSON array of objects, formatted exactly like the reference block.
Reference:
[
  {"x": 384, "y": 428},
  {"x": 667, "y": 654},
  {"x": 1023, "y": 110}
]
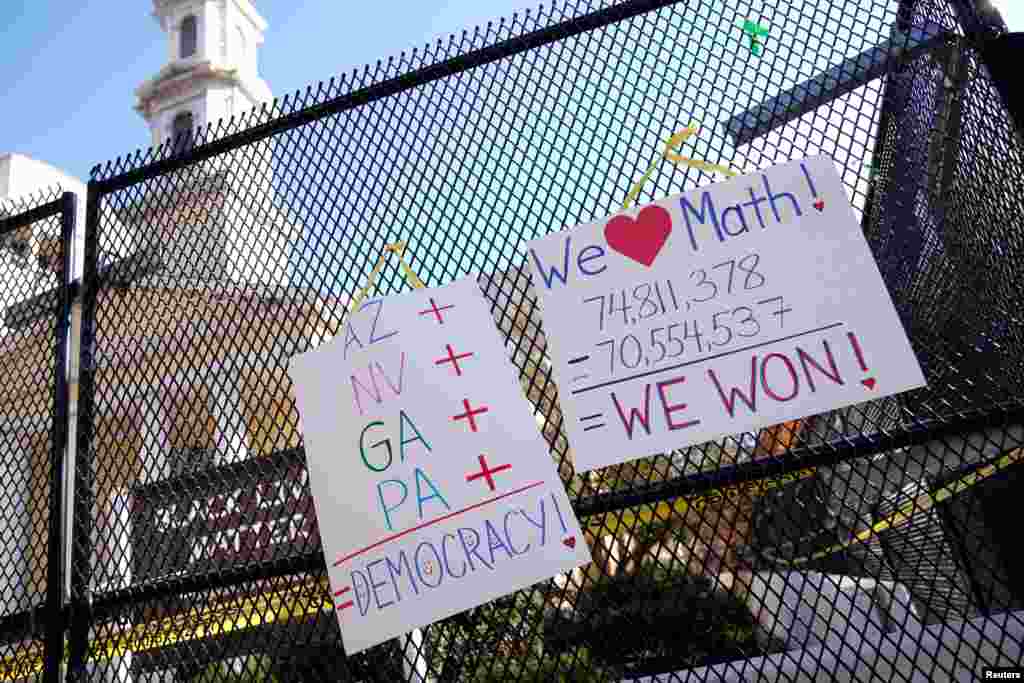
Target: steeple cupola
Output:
[{"x": 212, "y": 69}]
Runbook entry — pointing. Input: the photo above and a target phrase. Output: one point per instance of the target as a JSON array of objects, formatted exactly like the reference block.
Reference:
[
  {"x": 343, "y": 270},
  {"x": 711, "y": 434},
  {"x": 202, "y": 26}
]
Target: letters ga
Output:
[{"x": 377, "y": 455}]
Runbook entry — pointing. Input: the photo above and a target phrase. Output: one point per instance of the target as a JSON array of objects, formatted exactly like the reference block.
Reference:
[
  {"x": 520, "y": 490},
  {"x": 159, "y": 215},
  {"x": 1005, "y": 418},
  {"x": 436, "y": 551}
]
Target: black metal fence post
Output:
[
  {"x": 81, "y": 541},
  {"x": 55, "y": 626}
]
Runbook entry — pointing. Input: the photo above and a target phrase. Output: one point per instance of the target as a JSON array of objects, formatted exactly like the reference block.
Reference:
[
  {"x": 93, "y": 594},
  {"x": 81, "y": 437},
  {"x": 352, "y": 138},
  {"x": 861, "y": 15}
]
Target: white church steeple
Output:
[{"x": 212, "y": 67}]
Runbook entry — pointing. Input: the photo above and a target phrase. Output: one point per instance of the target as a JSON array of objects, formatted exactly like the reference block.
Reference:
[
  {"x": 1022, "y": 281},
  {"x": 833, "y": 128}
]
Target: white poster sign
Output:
[
  {"x": 434, "y": 490},
  {"x": 722, "y": 310}
]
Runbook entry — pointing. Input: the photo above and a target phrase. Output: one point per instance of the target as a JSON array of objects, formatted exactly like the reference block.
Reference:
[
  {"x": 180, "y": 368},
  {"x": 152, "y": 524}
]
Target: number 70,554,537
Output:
[{"x": 687, "y": 337}]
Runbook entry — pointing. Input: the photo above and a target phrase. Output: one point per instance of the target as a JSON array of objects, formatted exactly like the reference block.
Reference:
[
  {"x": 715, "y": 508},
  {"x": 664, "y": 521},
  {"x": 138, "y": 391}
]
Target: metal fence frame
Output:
[
  {"x": 53, "y": 611},
  {"x": 76, "y": 617},
  {"x": 310, "y": 107}
]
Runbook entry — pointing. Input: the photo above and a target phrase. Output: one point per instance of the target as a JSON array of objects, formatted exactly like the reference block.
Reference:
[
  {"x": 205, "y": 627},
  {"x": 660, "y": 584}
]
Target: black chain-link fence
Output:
[
  {"x": 872, "y": 543},
  {"x": 35, "y": 257}
]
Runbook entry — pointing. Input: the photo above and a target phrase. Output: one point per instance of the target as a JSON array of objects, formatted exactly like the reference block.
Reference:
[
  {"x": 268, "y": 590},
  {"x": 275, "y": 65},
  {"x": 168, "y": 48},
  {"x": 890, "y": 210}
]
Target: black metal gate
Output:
[
  {"x": 35, "y": 268},
  {"x": 210, "y": 262}
]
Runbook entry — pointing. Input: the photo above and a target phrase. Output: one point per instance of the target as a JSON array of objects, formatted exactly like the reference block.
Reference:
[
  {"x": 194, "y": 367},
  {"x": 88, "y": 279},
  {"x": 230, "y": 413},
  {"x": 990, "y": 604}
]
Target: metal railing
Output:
[{"x": 194, "y": 552}]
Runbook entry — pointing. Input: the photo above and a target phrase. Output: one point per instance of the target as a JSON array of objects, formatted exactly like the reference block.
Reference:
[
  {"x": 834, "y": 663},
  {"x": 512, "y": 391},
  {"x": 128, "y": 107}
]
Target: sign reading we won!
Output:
[
  {"x": 433, "y": 488},
  {"x": 723, "y": 310}
]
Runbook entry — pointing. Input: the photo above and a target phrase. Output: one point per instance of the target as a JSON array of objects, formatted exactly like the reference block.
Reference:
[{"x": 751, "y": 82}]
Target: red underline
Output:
[{"x": 435, "y": 521}]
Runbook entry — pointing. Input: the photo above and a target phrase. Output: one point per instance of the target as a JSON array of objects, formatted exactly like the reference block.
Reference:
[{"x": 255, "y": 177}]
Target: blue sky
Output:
[{"x": 68, "y": 70}]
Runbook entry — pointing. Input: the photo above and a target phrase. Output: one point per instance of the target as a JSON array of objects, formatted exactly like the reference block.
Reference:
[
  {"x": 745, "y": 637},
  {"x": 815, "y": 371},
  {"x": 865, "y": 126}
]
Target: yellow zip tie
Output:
[
  {"x": 410, "y": 276},
  {"x": 702, "y": 165},
  {"x": 916, "y": 506},
  {"x": 670, "y": 146}
]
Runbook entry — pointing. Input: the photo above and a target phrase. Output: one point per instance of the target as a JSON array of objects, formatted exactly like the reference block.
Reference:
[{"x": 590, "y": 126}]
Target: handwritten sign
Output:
[
  {"x": 719, "y": 311},
  {"x": 434, "y": 491}
]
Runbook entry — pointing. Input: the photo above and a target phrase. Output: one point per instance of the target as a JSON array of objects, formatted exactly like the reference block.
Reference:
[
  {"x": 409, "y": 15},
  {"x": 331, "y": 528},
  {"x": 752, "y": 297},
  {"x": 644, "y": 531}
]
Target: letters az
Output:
[{"x": 370, "y": 332}]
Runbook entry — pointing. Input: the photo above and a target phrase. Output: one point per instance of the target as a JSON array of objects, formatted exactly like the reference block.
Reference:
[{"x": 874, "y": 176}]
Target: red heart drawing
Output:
[
  {"x": 570, "y": 542},
  {"x": 869, "y": 382},
  {"x": 641, "y": 238},
  {"x": 819, "y": 205}
]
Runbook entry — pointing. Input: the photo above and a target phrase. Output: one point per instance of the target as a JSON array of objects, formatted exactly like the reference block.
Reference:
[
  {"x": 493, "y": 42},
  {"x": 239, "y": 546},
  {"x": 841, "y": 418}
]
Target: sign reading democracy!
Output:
[
  {"x": 434, "y": 490},
  {"x": 719, "y": 311}
]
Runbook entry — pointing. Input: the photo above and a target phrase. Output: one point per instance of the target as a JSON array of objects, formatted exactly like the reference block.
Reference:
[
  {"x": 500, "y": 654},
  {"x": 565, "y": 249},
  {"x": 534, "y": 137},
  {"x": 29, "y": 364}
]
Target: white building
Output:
[
  {"x": 211, "y": 74},
  {"x": 213, "y": 245},
  {"x": 212, "y": 70}
]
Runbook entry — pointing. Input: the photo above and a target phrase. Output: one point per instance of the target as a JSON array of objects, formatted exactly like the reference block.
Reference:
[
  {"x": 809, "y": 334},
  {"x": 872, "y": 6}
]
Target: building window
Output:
[
  {"x": 188, "y": 36},
  {"x": 181, "y": 131}
]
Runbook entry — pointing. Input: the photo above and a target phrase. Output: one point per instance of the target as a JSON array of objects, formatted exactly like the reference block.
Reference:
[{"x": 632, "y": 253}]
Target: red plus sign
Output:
[
  {"x": 485, "y": 472},
  {"x": 453, "y": 359},
  {"x": 469, "y": 414},
  {"x": 436, "y": 311}
]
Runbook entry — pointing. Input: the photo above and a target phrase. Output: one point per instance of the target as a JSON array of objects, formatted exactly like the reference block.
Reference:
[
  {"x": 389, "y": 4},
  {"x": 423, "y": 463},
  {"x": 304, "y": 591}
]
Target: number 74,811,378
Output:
[
  {"x": 689, "y": 336},
  {"x": 651, "y": 299}
]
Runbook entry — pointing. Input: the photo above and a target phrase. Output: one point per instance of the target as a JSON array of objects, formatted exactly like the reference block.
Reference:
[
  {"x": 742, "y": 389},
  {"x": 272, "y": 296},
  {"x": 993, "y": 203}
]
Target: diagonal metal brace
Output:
[{"x": 833, "y": 83}]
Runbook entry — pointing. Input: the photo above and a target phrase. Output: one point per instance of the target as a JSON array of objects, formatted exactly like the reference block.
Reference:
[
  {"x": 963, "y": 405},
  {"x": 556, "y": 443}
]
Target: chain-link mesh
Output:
[
  {"x": 208, "y": 267},
  {"x": 33, "y": 296}
]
